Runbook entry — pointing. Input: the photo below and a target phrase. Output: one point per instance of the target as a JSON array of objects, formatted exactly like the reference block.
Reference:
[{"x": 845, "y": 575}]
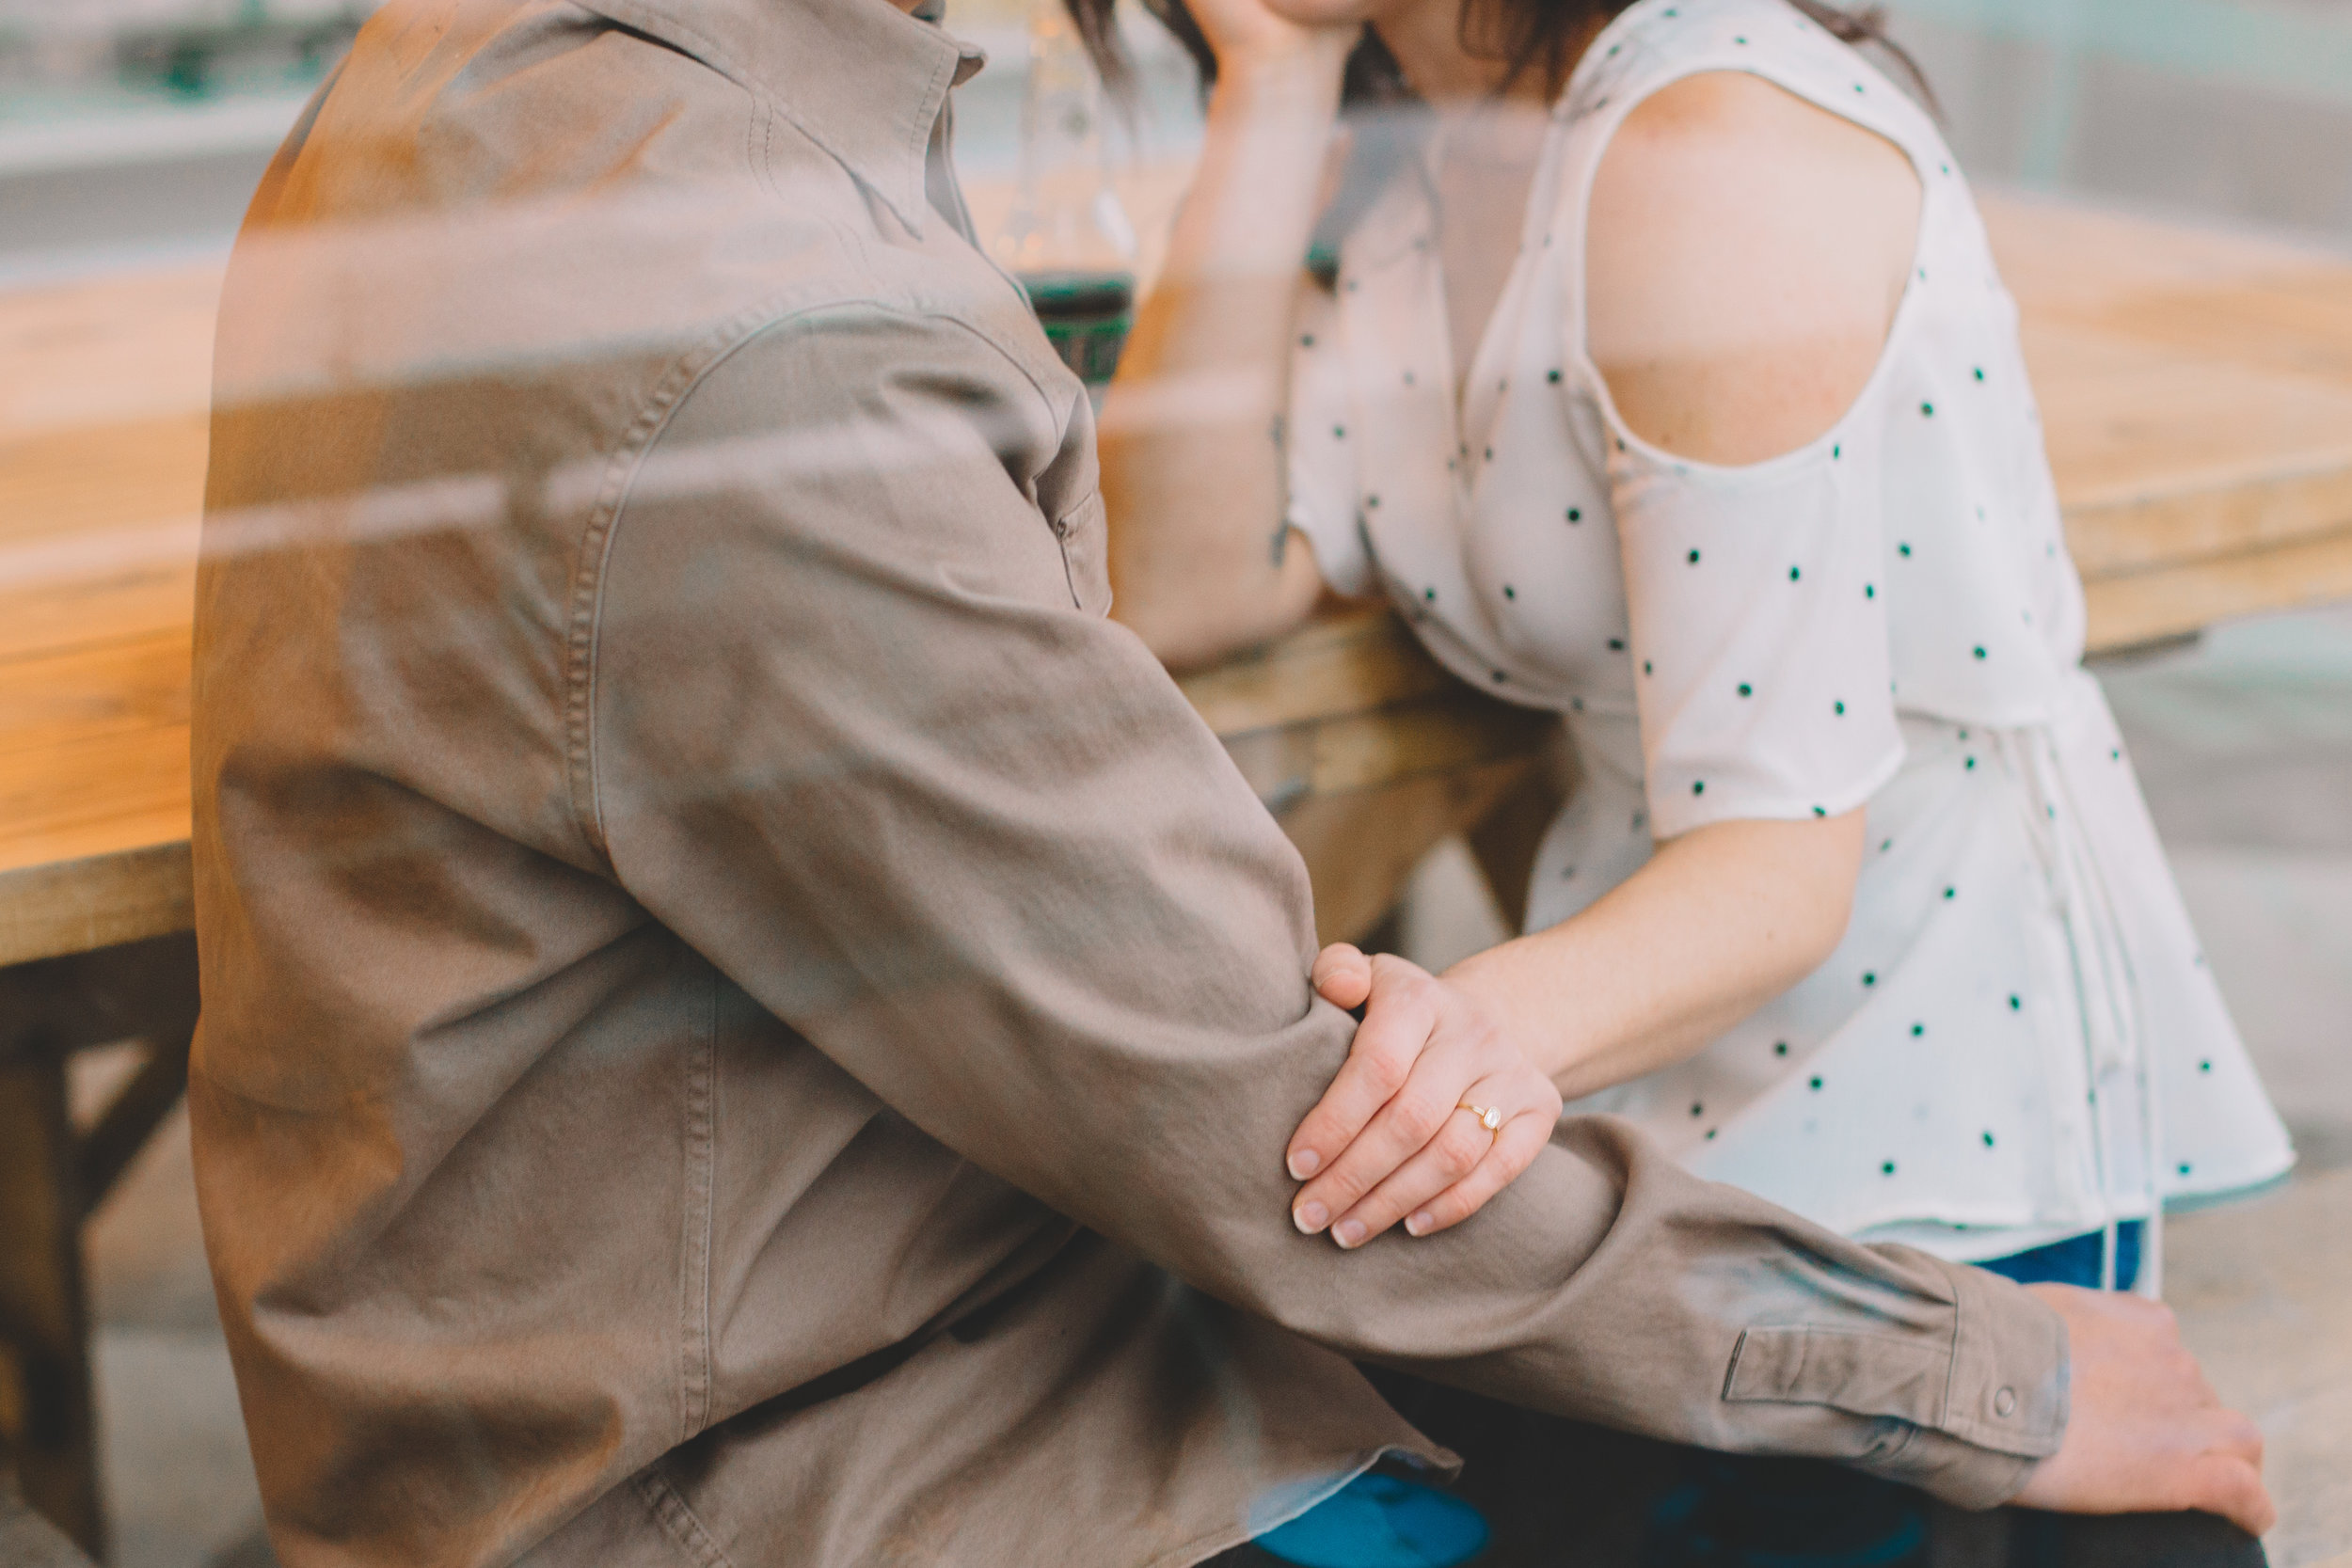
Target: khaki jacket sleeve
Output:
[{"x": 857, "y": 735}]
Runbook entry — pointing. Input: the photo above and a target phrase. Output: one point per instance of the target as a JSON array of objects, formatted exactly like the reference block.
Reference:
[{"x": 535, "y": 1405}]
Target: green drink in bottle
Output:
[{"x": 1086, "y": 315}]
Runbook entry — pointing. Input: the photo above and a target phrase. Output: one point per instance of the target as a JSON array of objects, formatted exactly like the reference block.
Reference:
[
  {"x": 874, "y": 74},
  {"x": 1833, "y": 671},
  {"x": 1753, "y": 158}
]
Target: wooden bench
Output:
[{"x": 2196, "y": 390}]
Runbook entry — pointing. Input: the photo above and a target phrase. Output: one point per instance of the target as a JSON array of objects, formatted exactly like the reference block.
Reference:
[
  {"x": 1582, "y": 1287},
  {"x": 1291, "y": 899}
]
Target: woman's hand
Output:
[
  {"x": 1389, "y": 1140},
  {"x": 1245, "y": 32}
]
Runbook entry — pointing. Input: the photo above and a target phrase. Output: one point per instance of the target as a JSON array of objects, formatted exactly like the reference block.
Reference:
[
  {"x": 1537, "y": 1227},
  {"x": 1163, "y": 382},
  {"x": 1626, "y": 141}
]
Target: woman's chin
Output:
[{"x": 1327, "y": 13}]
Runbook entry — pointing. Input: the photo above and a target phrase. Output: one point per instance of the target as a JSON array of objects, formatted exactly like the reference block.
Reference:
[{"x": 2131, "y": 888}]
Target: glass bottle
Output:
[{"x": 1067, "y": 239}]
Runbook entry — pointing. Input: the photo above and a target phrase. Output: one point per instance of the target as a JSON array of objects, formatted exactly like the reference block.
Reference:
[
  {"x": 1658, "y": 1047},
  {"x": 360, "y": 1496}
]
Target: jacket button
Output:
[{"x": 2005, "y": 1402}]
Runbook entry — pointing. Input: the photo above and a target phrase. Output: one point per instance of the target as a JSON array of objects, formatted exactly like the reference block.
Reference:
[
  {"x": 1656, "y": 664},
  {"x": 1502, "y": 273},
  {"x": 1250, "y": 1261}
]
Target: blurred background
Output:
[
  {"x": 132, "y": 133},
  {"x": 134, "y": 128}
]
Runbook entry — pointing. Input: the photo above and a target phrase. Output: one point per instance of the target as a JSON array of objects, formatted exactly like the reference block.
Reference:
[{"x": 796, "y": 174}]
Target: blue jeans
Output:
[
  {"x": 2073, "y": 1261},
  {"x": 1844, "y": 1519},
  {"x": 1725, "y": 1510}
]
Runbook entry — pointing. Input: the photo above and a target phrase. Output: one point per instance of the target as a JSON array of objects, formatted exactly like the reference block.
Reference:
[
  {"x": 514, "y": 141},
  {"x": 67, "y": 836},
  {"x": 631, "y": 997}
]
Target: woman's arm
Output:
[
  {"x": 1747, "y": 254},
  {"x": 1202, "y": 561},
  {"x": 1720, "y": 921}
]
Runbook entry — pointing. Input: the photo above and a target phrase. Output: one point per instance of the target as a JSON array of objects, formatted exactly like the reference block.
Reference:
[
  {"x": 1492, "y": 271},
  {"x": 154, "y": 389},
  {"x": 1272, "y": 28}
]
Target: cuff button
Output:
[{"x": 2005, "y": 1402}]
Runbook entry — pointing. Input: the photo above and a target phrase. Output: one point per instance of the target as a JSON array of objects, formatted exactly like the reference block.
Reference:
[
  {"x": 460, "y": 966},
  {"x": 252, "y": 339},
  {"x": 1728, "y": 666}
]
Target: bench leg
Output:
[
  {"x": 50, "y": 1177},
  {"x": 47, "y": 1422}
]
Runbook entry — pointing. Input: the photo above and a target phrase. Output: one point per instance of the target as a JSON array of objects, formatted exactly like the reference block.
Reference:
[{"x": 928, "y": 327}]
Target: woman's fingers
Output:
[
  {"x": 1514, "y": 1148},
  {"x": 1402, "y": 1128},
  {"x": 1453, "y": 1175},
  {"x": 1388, "y": 1138},
  {"x": 1417, "y": 1088},
  {"x": 1460, "y": 1145},
  {"x": 1409, "y": 1155},
  {"x": 1247, "y": 32},
  {"x": 1343, "y": 975},
  {"x": 1401, "y": 1014},
  {"x": 1422, "y": 1142}
]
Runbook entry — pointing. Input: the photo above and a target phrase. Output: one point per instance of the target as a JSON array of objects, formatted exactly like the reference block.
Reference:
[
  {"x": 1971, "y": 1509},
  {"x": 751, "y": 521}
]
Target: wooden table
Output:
[{"x": 2197, "y": 391}]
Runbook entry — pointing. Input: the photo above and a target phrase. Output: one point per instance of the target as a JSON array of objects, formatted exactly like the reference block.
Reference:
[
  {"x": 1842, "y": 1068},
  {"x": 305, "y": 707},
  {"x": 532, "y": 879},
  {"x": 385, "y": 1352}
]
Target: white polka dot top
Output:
[{"x": 2018, "y": 1040}]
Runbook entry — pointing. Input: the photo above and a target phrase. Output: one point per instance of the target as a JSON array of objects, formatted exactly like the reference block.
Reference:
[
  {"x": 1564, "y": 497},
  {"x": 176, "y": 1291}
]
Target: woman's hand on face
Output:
[
  {"x": 1389, "y": 1140},
  {"x": 1246, "y": 34}
]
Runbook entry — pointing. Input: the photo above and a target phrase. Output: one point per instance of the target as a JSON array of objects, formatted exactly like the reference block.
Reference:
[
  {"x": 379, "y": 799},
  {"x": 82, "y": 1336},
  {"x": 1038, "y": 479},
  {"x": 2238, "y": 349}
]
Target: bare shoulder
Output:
[
  {"x": 1732, "y": 120},
  {"x": 1734, "y": 227}
]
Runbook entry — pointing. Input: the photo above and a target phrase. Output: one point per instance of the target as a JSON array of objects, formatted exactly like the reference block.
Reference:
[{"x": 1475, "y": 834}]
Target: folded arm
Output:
[{"x": 970, "y": 841}]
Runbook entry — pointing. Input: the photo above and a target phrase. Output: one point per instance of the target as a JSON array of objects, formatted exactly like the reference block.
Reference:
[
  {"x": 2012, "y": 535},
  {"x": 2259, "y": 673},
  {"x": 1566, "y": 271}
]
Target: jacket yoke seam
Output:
[{"x": 642, "y": 434}]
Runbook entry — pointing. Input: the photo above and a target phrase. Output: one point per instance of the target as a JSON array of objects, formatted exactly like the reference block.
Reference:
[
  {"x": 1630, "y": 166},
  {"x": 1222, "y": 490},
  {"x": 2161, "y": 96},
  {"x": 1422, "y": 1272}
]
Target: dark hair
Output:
[{"x": 1531, "y": 35}]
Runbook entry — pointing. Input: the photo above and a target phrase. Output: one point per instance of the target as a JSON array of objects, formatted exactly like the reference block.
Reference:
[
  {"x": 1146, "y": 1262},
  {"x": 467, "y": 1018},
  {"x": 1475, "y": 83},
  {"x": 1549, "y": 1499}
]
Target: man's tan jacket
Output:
[{"x": 744, "y": 1022}]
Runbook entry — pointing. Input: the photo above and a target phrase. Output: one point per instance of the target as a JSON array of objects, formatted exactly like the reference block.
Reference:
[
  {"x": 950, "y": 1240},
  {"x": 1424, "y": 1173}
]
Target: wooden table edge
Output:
[{"x": 78, "y": 906}]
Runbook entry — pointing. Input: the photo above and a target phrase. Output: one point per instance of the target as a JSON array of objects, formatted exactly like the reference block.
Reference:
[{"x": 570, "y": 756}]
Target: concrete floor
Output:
[
  {"x": 2245, "y": 743},
  {"x": 2246, "y": 747},
  {"x": 2249, "y": 1281},
  {"x": 179, "y": 1483}
]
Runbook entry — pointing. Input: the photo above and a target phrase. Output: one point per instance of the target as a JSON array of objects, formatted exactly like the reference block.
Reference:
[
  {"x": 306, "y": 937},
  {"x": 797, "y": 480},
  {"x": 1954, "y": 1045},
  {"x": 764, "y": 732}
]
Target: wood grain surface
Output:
[{"x": 2196, "y": 388}]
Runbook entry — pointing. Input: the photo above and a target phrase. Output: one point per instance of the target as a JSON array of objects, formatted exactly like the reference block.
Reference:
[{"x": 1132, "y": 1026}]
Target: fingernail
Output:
[
  {"x": 1348, "y": 1233},
  {"x": 1304, "y": 1164},
  {"x": 1310, "y": 1217},
  {"x": 1418, "y": 1224}
]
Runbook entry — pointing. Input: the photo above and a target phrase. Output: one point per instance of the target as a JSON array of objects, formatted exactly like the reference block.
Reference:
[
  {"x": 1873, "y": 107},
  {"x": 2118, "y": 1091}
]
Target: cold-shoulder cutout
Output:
[{"x": 1747, "y": 254}]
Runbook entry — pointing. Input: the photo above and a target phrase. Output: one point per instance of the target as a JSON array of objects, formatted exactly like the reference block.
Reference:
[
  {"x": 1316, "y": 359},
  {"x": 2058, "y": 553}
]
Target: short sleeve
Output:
[
  {"x": 1320, "y": 474},
  {"x": 1758, "y": 634}
]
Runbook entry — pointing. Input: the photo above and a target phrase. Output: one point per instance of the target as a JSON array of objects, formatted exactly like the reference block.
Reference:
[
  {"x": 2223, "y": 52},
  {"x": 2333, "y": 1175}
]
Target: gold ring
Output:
[{"x": 1488, "y": 1118}]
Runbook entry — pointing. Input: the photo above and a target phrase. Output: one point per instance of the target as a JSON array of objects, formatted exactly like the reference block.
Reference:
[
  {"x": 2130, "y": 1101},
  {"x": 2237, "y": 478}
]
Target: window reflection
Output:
[{"x": 132, "y": 134}]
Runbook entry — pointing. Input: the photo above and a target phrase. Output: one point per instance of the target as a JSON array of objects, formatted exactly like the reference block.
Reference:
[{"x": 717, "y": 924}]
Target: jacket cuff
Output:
[
  {"x": 1966, "y": 1414},
  {"x": 2006, "y": 1404},
  {"x": 1952, "y": 1471},
  {"x": 2010, "y": 1375}
]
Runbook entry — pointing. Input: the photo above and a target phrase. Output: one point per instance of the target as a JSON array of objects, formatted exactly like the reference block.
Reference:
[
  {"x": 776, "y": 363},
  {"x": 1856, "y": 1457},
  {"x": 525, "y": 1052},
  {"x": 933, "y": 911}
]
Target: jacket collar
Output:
[{"x": 861, "y": 78}]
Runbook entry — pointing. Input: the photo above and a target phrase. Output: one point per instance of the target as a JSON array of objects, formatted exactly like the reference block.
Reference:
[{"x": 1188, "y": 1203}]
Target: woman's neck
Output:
[{"x": 1489, "y": 134}]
